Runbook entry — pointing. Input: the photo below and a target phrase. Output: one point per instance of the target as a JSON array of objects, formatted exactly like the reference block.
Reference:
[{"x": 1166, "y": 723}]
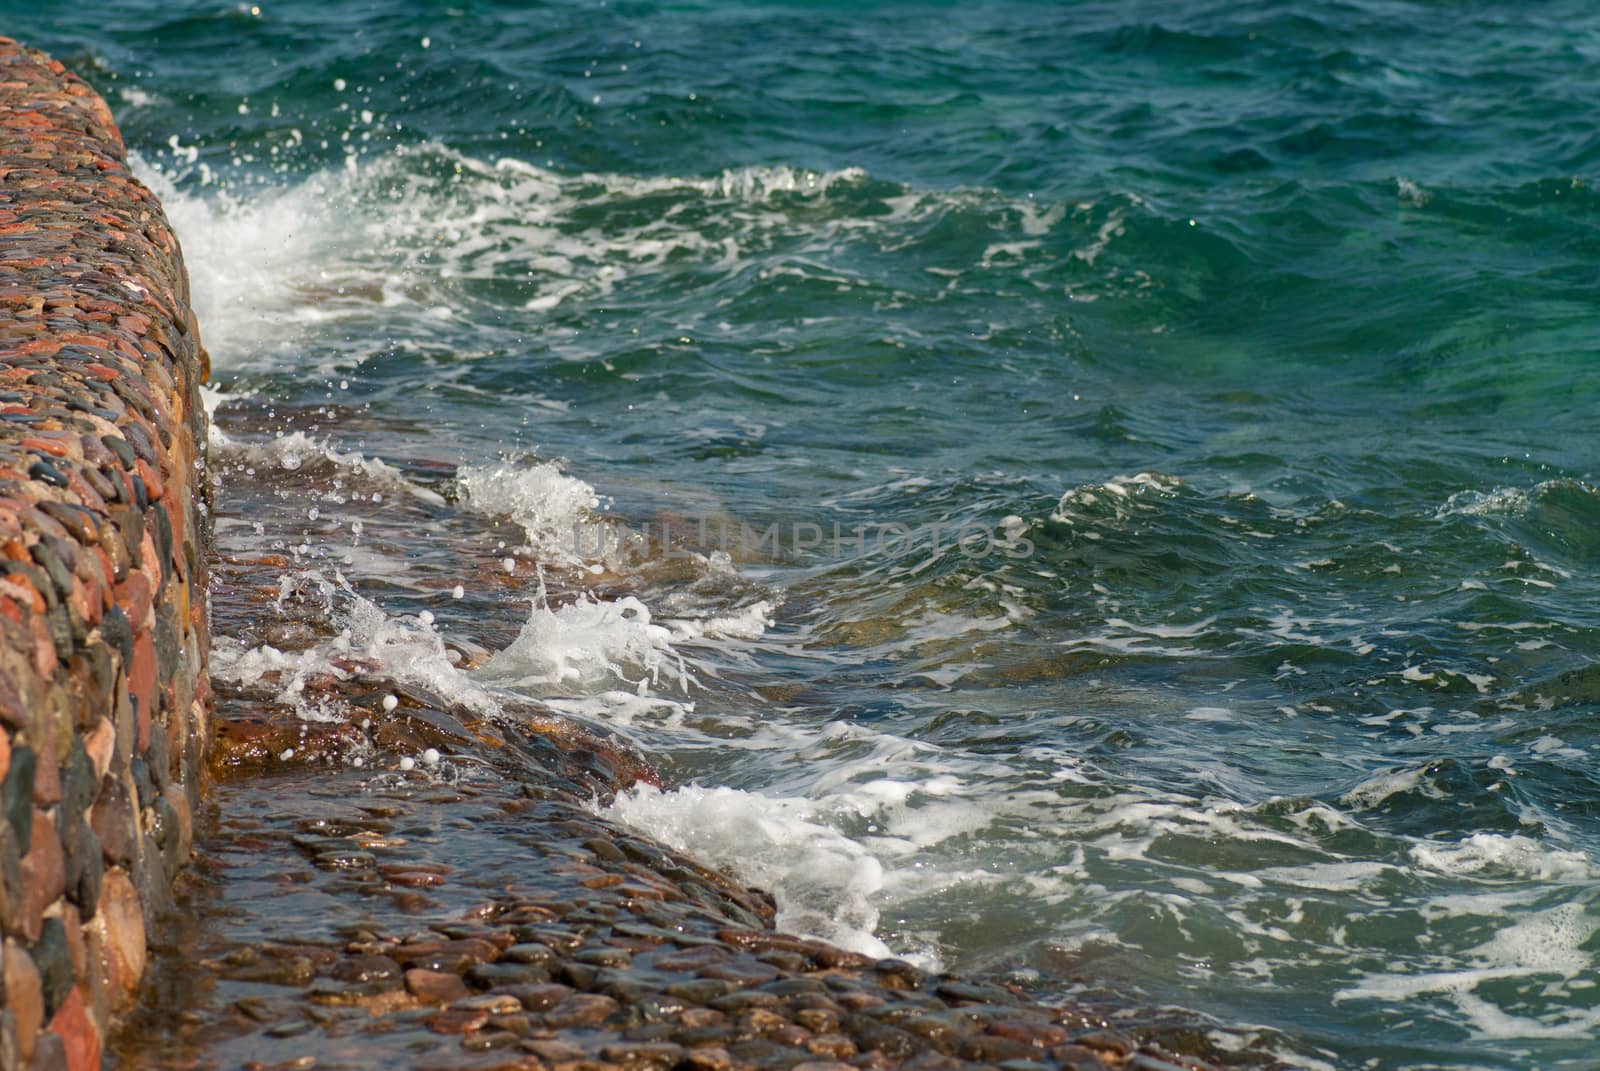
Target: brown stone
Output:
[
  {"x": 44, "y": 875},
  {"x": 1104, "y": 1041},
  {"x": 709, "y": 1058},
  {"x": 1076, "y": 1058},
  {"x": 493, "y": 1003},
  {"x": 745, "y": 974},
  {"x": 113, "y": 821},
  {"x": 121, "y": 923},
  {"x": 183, "y": 820},
  {"x": 78, "y": 1034},
  {"x": 554, "y": 1051},
  {"x": 538, "y": 998},
  {"x": 24, "y": 997},
  {"x": 987, "y": 1048},
  {"x": 659, "y": 1053},
  {"x": 47, "y": 774},
  {"x": 142, "y": 685},
  {"x": 435, "y": 987},
  {"x": 581, "y": 1010},
  {"x": 451, "y": 1021},
  {"x": 835, "y": 1045},
  {"x": 1042, "y": 1035}
]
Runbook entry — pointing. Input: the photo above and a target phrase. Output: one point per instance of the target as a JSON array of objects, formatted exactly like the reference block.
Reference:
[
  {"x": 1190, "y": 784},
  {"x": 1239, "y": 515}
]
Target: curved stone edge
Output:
[{"x": 104, "y": 703}]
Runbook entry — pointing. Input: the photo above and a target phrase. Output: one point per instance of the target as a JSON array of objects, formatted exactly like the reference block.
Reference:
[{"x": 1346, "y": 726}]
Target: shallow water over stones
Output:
[{"x": 422, "y": 882}]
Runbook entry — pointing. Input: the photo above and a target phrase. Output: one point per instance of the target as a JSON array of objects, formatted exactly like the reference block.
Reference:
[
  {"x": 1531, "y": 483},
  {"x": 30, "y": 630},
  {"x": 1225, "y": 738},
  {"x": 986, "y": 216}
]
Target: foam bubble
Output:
[
  {"x": 748, "y": 623},
  {"x": 297, "y": 450},
  {"x": 824, "y": 883},
  {"x": 588, "y": 644},
  {"x": 400, "y": 649},
  {"x": 554, "y": 509},
  {"x": 1494, "y": 853}
]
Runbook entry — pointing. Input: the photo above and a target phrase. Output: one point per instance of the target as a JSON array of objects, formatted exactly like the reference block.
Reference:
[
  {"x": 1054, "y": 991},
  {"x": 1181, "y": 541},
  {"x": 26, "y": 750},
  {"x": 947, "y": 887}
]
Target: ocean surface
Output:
[{"x": 1095, "y": 494}]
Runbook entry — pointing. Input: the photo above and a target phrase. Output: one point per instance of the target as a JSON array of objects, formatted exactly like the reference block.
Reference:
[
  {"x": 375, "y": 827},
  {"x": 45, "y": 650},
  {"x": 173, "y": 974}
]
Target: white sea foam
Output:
[
  {"x": 748, "y": 623},
  {"x": 1122, "y": 494},
  {"x": 590, "y": 645},
  {"x": 247, "y": 256},
  {"x": 1494, "y": 853},
  {"x": 554, "y": 509},
  {"x": 1546, "y": 946},
  {"x": 825, "y": 883},
  {"x": 397, "y": 232},
  {"x": 402, "y": 649},
  {"x": 297, "y": 450},
  {"x": 1507, "y": 501}
]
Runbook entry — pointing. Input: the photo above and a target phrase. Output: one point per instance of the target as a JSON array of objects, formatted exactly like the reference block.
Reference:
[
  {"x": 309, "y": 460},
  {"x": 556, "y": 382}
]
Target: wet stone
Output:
[
  {"x": 457, "y": 1022},
  {"x": 1103, "y": 1041},
  {"x": 538, "y": 998},
  {"x": 489, "y": 1040},
  {"x": 297, "y": 971},
  {"x": 581, "y": 1010},
  {"x": 435, "y": 987},
  {"x": 1076, "y": 1058},
  {"x": 818, "y": 1020},
  {"x": 662, "y": 1054},
  {"x": 699, "y": 991},
  {"x": 554, "y": 1051},
  {"x": 872, "y": 1035},
  {"x": 833, "y": 1046},
  {"x": 988, "y": 1048},
  {"x": 493, "y": 1003},
  {"x": 707, "y": 1058},
  {"x": 740, "y": 974},
  {"x": 528, "y": 953},
  {"x": 1041, "y": 1035},
  {"x": 368, "y": 968},
  {"x": 515, "y": 1023},
  {"x": 493, "y": 975},
  {"x": 974, "y": 993},
  {"x": 604, "y": 957},
  {"x": 745, "y": 1000}
]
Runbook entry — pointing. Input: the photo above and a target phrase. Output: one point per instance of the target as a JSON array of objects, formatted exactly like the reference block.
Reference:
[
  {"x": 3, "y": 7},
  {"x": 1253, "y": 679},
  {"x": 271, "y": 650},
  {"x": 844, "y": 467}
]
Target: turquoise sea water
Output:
[{"x": 1253, "y": 343}]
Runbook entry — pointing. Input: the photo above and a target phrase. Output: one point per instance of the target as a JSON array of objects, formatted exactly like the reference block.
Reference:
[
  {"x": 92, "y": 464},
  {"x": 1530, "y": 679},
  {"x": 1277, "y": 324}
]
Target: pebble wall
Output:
[{"x": 103, "y": 639}]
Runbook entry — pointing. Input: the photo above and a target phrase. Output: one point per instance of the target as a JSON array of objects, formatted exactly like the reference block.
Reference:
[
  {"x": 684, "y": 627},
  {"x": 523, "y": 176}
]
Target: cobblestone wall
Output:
[{"x": 103, "y": 699}]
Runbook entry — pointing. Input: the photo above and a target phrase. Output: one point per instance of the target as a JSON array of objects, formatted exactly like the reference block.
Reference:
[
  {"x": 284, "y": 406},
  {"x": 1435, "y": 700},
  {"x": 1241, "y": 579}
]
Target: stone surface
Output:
[
  {"x": 79, "y": 1037},
  {"x": 122, "y": 925},
  {"x": 24, "y": 997}
]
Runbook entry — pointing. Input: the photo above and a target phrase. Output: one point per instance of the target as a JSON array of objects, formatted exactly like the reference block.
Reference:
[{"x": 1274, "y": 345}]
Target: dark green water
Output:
[{"x": 1254, "y": 343}]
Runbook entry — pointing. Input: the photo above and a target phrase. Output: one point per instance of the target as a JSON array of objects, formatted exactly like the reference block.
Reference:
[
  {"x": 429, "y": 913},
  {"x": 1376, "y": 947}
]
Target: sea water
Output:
[{"x": 1097, "y": 494}]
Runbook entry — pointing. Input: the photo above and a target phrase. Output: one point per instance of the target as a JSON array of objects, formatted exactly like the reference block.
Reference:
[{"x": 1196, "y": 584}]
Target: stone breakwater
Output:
[{"x": 103, "y": 696}]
